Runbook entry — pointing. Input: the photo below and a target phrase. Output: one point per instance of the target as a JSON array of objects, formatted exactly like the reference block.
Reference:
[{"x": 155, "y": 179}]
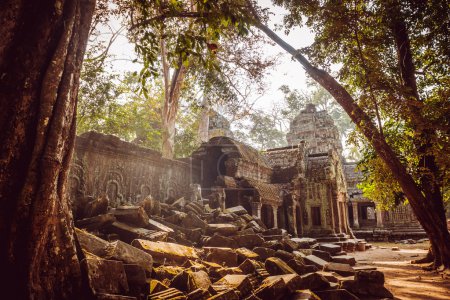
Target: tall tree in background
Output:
[
  {"x": 42, "y": 45},
  {"x": 395, "y": 59}
]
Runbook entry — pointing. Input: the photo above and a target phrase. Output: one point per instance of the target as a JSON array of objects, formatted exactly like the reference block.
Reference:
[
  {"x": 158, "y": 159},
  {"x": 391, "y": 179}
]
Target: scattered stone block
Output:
[
  {"x": 322, "y": 254},
  {"x": 276, "y": 266},
  {"x": 155, "y": 225},
  {"x": 171, "y": 293},
  {"x": 264, "y": 253},
  {"x": 96, "y": 223},
  {"x": 293, "y": 282},
  {"x": 199, "y": 294},
  {"x": 271, "y": 289},
  {"x": 166, "y": 253},
  {"x": 248, "y": 240},
  {"x": 238, "y": 210},
  {"x": 113, "y": 297},
  {"x": 151, "y": 206},
  {"x": 218, "y": 240},
  {"x": 166, "y": 273},
  {"x": 341, "y": 269},
  {"x": 304, "y": 295},
  {"x": 188, "y": 281},
  {"x": 221, "y": 256},
  {"x": 244, "y": 253},
  {"x": 228, "y": 295},
  {"x": 99, "y": 206},
  {"x": 337, "y": 294},
  {"x": 284, "y": 255},
  {"x": 119, "y": 250},
  {"x": 315, "y": 261},
  {"x": 330, "y": 248},
  {"x": 133, "y": 215},
  {"x": 249, "y": 266},
  {"x": 344, "y": 259},
  {"x": 105, "y": 276},
  {"x": 367, "y": 284},
  {"x": 192, "y": 220},
  {"x": 157, "y": 286},
  {"x": 240, "y": 283},
  {"x": 223, "y": 229},
  {"x": 128, "y": 233},
  {"x": 314, "y": 282},
  {"x": 91, "y": 243}
]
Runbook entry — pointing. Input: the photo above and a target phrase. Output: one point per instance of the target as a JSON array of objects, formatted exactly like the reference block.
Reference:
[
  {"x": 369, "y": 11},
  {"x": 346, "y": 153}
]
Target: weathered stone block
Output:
[
  {"x": 322, "y": 254},
  {"x": 166, "y": 253},
  {"x": 129, "y": 233},
  {"x": 341, "y": 269},
  {"x": 240, "y": 283},
  {"x": 330, "y": 248},
  {"x": 218, "y": 240},
  {"x": 96, "y": 207},
  {"x": 221, "y": 256},
  {"x": 304, "y": 295},
  {"x": 134, "y": 215},
  {"x": 336, "y": 295},
  {"x": 113, "y": 297},
  {"x": 169, "y": 294},
  {"x": 271, "y": 289},
  {"x": 284, "y": 255},
  {"x": 155, "y": 225},
  {"x": 315, "y": 261},
  {"x": 96, "y": 223},
  {"x": 192, "y": 220},
  {"x": 276, "y": 266},
  {"x": 228, "y": 295},
  {"x": 105, "y": 276},
  {"x": 264, "y": 253},
  {"x": 223, "y": 229},
  {"x": 344, "y": 259},
  {"x": 292, "y": 281},
  {"x": 119, "y": 250},
  {"x": 248, "y": 240},
  {"x": 244, "y": 253},
  {"x": 314, "y": 282},
  {"x": 91, "y": 243}
]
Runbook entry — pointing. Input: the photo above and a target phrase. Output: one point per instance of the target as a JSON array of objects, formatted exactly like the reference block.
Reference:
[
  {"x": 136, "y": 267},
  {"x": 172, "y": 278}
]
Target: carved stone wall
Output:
[{"x": 124, "y": 171}]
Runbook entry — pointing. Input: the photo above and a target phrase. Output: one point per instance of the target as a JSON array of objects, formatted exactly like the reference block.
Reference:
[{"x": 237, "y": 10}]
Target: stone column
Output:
[
  {"x": 355, "y": 215},
  {"x": 256, "y": 209},
  {"x": 275, "y": 216},
  {"x": 379, "y": 217},
  {"x": 293, "y": 220}
]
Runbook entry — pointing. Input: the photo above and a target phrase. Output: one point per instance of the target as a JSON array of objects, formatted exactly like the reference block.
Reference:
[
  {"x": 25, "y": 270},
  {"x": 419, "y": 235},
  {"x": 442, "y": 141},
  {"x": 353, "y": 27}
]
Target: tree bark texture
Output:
[
  {"x": 42, "y": 45},
  {"x": 424, "y": 206}
]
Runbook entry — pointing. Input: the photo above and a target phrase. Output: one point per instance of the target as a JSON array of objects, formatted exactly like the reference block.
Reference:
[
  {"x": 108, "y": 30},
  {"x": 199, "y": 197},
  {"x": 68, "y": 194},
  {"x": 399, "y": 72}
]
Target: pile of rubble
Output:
[{"x": 188, "y": 251}]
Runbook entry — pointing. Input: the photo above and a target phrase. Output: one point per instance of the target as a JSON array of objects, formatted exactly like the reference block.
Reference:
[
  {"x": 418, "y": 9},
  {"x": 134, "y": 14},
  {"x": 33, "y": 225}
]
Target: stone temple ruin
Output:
[{"x": 229, "y": 222}]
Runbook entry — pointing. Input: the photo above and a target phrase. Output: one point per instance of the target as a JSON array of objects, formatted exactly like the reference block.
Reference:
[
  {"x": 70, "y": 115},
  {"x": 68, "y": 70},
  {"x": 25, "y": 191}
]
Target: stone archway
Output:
[{"x": 267, "y": 216}]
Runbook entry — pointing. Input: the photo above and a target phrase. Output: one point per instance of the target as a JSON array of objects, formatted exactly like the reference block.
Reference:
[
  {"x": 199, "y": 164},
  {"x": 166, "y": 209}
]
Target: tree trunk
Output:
[
  {"x": 42, "y": 45},
  {"x": 423, "y": 205}
]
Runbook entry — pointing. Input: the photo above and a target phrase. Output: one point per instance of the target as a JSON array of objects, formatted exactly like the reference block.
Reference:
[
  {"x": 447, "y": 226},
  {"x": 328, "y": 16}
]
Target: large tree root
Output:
[{"x": 429, "y": 258}]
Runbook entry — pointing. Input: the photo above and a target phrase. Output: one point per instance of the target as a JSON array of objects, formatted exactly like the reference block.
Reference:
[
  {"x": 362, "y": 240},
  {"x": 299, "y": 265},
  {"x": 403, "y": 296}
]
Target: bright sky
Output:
[{"x": 286, "y": 72}]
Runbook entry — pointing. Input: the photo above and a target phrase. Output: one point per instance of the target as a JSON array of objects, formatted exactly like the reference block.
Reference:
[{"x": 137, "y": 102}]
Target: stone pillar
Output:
[
  {"x": 379, "y": 217},
  {"x": 355, "y": 215},
  {"x": 293, "y": 220},
  {"x": 256, "y": 209},
  {"x": 275, "y": 216}
]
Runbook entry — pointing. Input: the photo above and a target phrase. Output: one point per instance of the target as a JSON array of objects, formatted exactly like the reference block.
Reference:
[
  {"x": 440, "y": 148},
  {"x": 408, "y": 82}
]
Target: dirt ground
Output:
[{"x": 404, "y": 280}]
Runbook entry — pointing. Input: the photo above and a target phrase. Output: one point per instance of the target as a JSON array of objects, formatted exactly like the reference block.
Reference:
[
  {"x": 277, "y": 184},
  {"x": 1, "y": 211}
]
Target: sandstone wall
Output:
[{"x": 126, "y": 172}]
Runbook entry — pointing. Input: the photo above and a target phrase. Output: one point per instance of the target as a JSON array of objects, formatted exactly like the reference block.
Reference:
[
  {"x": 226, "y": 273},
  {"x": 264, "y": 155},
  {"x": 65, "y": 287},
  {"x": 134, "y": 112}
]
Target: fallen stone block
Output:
[
  {"x": 176, "y": 217},
  {"x": 330, "y": 248},
  {"x": 330, "y": 276},
  {"x": 276, "y": 266},
  {"x": 244, "y": 253},
  {"x": 166, "y": 253},
  {"x": 322, "y": 254},
  {"x": 248, "y": 240},
  {"x": 128, "y": 233},
  {"x": 344, "y": 259},
  {"x": 192, "y": 220},
  {"x": 218, "y": 240},
  {"x": 255, "y": 226},
  {"x": 315, "y": 261},
  {"x": 137, "y": 280},
  {"x": 151, "y": 206},
  {"x": 250, "y": 266},
  {"x": 91, "y": 243},
  {"x": 96, "y": 223},
  {"x": 105, "y": 276},
  {"x": 289, "y": 245},
  {"x": 314, "y": 282},
  {"x": 155, "y": 225},
  {"x": 228, "y": 295},
  {"x": 238, "y": 210},
  {"x": 264, "y": 253},
  {"x": 166, "y": 273},
  {"x": 367, "y": 284},
  {"x": 171, "y": 293},
  {"x": 188, "y": 281},
  {"x": 271, "y": 289},
  {"x": 223, "y": 229},
  {"x": 240, "y": 283},
  {"x": 99, "y": 206},
  {"x": 300, "y": 268},
  {"x": 284, "y": 255},
  {"x": 304, "y": 295},
  {"x": 293, "y": 282},
  {"x": 133, "y": 215},
  {"x": 199, "y": 294},
  {"x": 222, "y": 256},
  {"x": 336, "y": 295},
  {"x": 341, "y": 269},
  {"x": 119, "y": 250},
  {"x": 157, "y": 286}
]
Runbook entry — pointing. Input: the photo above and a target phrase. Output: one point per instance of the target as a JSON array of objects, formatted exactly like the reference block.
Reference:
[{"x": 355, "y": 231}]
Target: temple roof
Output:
[{"x": 268, "y": 192}]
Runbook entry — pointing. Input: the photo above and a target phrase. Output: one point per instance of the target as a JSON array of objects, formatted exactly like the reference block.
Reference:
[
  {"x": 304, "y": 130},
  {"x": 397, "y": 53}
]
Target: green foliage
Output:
[{"x": 359, "y": 37}]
